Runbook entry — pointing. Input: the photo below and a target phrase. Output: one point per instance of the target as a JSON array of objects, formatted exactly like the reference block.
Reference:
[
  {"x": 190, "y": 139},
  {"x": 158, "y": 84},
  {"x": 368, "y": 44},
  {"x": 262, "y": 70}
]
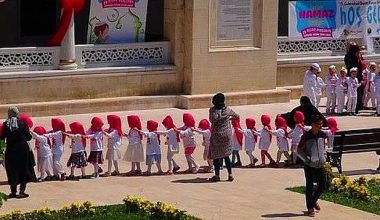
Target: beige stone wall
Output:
[
  {"x": 208, "y": 70},
  {"x": 96, "y": 85},
  {"x": 175, "y": 32}
]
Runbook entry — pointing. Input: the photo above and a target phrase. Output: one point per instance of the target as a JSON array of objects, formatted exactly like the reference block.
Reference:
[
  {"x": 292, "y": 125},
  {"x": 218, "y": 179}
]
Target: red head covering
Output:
[
  {"x": 251, "y": 123},
  {"x": 115, "y": 123},
  {"x": 188, "y": 120},
  {"x": 281, "y": 123},
  {"x": 96, "y": 124},
  {"x": 332, "y": 124},
  {"x": 28, "y": 121},
  {"x": 40, "y": 131},
  {"x": 265, "y": 120},
  {"x": 152, "y": 126},
  {"x": 134, "y": 122},
  {"x": 238, "y": 134},
  {"x": 58, "y": 125},
  {"x": 169, "y": 124},
  {"x": 204, "y": 124},
  {"x": 299, "y": 117},
  {"x": 77, "y": 128}
]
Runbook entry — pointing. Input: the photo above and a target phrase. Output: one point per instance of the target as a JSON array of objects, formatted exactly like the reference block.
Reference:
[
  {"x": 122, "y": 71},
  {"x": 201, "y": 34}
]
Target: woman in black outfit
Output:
[
  {"x": 354, "y": 58},
  {"x": 19, "y": 161}
]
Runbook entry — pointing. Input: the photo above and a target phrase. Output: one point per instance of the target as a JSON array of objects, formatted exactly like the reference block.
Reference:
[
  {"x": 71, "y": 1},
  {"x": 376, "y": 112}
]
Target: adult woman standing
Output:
[
  {"x": 18, "y": 159},
  {"x": 221, "y": 135}
]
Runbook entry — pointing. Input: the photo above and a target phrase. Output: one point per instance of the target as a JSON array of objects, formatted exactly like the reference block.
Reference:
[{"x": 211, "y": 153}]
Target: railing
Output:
[
  {"x": 87, "y": 56},
  {"x": 29, "y": 58},
  {"x": 102, "y": 55}
]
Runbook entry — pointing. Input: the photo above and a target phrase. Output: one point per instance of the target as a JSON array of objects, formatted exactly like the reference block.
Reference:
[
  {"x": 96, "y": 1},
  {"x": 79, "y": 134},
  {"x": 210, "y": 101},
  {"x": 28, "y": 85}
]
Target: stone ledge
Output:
[
  {"x": 130, "y": 70},
  {"x": 236, "y": 98},
  {"x": 295, "y": 91}
]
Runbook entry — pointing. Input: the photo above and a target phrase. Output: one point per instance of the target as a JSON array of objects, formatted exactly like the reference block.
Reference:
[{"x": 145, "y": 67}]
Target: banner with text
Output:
[
  {"x": 117, "y": 21},
  {"x": 334, "y": 19}
]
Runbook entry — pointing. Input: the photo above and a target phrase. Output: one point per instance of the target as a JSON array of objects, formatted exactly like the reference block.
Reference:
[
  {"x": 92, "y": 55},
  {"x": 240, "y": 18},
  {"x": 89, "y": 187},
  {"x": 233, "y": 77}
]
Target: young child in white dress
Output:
[
  {"x": 237, "y": 142},
  {"x": 58, "y": 140},
  {"x": 296, "y": 134},
  {"x": 340, "y": 90},
  {"x": 353, "y": 85},
  {"x": 319, "y": 87},
  {"x": 114, "y": 135},
  {"x": 204, "y": 128},
  {"x": 172, "y": 140},
  {"x": 44, "y": 154},
  {"x": 95, "y": 134},
  {"x": 330, "y": 81},
  {"x": 135, "y": 150},
  {"x": 265, "y": 140},
  {"x": 282, "y": 139},
  {"x": 78, "y": 157},
  {"x": 187, "y": 134},
  {"x": 332, "y": 126},
  {"x": 250, "y": 139},
  {"x": 153, "y": 149},
  {"x": 369, "y": 88}
]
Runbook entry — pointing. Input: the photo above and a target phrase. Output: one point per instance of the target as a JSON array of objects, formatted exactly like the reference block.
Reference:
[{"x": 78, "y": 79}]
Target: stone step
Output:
[{"x": 80, "y": 106}]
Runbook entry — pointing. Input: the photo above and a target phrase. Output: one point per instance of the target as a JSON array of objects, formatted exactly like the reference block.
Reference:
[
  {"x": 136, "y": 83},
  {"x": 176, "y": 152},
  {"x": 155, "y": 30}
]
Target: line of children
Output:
[
  {"x": 49, "y": 159},
  {"x": 338, "y": 87}
]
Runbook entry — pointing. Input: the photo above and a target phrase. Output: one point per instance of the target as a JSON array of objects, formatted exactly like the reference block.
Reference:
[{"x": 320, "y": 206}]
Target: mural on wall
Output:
[{"x": 117, "y": 21}]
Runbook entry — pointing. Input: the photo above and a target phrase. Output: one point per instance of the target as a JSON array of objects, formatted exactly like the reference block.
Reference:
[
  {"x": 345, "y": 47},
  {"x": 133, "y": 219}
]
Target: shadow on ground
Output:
[{"x": 283, "y": 215}]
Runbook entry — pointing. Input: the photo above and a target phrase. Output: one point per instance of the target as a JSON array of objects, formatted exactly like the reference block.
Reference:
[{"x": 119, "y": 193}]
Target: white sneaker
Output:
[{"x": 196, "y": 169}]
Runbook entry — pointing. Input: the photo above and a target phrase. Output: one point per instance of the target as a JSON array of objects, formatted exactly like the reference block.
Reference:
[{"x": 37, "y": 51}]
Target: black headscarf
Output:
[
  {"x": 218, "y": 101},
  {"x": 307, "y": 109}
]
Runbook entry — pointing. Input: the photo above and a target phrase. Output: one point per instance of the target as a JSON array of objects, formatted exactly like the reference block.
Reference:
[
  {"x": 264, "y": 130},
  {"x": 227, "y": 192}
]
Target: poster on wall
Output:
[
  {"x": 117, "y": 21},
  {"x": 234, "y": 19},
  {"x": 334, "y": 19}
]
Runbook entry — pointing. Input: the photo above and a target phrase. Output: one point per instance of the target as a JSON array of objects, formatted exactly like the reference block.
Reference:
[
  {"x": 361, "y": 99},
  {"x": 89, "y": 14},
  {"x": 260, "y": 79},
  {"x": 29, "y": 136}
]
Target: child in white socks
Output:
[{"x": 330, "y": 81}]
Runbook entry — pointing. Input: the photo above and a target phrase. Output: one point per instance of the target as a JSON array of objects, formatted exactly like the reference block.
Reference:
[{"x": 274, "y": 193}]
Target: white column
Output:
[{"x": 67, "y": 53}]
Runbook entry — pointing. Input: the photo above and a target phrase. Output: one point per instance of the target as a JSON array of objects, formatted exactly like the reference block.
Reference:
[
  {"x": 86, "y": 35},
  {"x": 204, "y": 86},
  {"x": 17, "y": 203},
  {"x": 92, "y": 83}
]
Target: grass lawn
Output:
[
  {"x": 114, "y": 212},
  {"x": 343, "y": 199}
]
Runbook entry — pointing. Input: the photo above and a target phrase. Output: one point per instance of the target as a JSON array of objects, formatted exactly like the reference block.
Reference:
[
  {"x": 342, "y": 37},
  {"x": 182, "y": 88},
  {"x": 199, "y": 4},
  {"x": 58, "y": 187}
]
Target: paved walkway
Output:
[{"x": 255, "y": 194}]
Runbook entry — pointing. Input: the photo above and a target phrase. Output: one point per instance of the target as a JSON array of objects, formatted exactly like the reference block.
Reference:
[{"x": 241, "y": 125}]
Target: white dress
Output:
[
  {"x": 282, "y": 140},
  {"x": 265, "y": 139},
  {"x": 113, "y": 146},
  {"x": 135, "y": 151}
]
